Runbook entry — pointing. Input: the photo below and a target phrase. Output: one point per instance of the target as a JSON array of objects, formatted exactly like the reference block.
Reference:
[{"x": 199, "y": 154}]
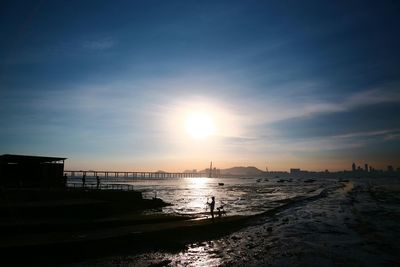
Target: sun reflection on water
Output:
[
  {"x": 237, "y": 196},
  {"x": 198, "y": 192},
  {"x": 201, "y": 254},
  {"x": 198, "y": 182}
]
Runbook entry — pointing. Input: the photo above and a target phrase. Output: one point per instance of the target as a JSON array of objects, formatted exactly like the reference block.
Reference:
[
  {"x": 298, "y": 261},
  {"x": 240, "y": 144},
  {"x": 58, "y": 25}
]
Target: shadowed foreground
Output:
[{"x": 69, "y": 240}]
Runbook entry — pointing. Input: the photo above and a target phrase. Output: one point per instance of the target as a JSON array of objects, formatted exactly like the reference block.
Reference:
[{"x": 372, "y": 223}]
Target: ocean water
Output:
[
  {"x": 238, "y": 196},
  {"x": 324, "y": 223}
]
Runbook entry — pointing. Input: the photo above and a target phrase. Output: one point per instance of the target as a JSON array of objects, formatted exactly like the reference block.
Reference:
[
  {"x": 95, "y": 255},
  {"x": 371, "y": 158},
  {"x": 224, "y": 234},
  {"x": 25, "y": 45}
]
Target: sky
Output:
[{"x": 285, "y": 84}]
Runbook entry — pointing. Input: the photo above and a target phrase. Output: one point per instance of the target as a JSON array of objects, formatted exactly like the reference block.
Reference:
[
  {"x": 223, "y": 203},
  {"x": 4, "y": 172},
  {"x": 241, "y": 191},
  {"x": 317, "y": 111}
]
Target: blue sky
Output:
[{"x": 309, "y": 84}]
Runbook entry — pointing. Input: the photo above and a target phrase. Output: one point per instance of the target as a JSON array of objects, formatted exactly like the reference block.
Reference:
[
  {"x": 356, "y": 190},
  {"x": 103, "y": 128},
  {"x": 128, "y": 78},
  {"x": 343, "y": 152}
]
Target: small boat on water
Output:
[{"x": 221, "y": 184}]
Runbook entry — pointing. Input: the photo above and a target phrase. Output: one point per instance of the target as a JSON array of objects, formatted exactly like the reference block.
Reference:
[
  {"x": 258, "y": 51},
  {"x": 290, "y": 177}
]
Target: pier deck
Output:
[{"x": 110, "y": 175}]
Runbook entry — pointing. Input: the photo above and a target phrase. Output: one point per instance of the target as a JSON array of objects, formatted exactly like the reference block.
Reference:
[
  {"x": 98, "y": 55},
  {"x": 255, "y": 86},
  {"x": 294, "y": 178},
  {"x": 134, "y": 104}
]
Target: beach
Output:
[{"x": 349, "y": 223}]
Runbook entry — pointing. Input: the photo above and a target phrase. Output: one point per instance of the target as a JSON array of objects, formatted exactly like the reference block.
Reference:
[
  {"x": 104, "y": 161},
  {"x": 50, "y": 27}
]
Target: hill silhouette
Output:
[{"x": 249, "y": 170}]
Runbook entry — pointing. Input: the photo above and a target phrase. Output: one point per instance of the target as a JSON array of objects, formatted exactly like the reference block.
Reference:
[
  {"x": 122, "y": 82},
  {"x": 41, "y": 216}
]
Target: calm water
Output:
[
  {"x": 242, "y": 196},
  {"x": 238, "y": 196}
]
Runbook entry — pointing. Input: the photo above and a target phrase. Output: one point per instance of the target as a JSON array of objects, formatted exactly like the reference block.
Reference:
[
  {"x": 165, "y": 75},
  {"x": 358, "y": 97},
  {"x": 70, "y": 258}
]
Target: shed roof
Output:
[{"x": 8, "y": 158}]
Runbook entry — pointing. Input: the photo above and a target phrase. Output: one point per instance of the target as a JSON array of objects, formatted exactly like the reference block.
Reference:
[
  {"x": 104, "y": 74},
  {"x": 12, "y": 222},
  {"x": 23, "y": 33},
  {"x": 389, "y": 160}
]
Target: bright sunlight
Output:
[{"x": 199, "y": 125}]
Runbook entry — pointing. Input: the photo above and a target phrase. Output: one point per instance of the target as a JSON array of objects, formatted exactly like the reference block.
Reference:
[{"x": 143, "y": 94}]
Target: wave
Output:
[{"x": 287, "y": 204}]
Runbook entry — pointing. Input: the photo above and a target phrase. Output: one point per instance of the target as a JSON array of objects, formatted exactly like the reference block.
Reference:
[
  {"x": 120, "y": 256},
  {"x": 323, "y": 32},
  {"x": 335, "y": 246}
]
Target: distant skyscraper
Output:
[
  {"x": 366, "y": 167},
  {"x": 353, "y": 167}
]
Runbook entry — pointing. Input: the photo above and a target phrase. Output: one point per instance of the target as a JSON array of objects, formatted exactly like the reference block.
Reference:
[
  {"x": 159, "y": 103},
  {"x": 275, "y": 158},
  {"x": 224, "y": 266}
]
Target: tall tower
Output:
[
  {"x": 210, "y": 174},
  {"x": 366, "y": 167},
  {"x": 353, "y": 167}
]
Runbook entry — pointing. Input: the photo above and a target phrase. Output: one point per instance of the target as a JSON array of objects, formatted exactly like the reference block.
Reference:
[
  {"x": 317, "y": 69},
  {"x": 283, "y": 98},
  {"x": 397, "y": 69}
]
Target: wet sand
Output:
[
  {"x": 136, "y": 232},
  {"x": 108, "y": 237},
  {"x": 352, "y": 224}
]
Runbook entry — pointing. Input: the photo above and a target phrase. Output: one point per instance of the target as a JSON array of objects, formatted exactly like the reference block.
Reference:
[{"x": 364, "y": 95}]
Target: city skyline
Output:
[{"x": 172, "y": 85}]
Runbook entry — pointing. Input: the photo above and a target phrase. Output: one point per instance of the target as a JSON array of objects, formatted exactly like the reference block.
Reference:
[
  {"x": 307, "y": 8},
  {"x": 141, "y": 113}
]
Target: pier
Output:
[{"x": 129, "y": 176}]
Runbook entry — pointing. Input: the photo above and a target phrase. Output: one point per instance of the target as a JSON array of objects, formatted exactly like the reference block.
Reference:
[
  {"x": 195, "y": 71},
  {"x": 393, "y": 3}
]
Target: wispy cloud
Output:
[
  {"x": 278, "y": 108},
  {"x": 392, "y": 136},
  {"x": 385, "y": 133},
  {"x": 34, "y": 54},
  {"x": 99, "y": 44},
  {"x": 353, "y": 101},
  {"x": 372, "y": 97}
]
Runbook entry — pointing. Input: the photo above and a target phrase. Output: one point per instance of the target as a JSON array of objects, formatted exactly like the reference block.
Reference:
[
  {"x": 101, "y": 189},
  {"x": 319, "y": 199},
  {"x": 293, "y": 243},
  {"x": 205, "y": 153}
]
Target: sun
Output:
[{"x": 199, "y": 125}]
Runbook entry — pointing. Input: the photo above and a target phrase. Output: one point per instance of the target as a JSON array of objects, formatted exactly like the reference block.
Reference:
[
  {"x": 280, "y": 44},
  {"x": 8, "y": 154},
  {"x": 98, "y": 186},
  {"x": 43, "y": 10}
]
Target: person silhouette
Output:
[
  {"x": 212, "y": 206},
  {"x": 83, "y": 180},
  {"x": 98, "y": 182}
]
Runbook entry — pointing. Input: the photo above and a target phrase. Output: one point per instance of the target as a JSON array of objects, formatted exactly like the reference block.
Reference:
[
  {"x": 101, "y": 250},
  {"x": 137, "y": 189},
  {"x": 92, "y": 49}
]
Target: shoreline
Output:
[
  {"x": 135, "y": 233},
  {"x": 164, "y": 232},
  {"x": 292, "y": 234}
]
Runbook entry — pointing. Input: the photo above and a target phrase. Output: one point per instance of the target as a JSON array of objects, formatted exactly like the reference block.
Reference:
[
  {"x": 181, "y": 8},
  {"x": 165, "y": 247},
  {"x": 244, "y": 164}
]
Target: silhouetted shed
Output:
[{"x": 31, "y": 171}]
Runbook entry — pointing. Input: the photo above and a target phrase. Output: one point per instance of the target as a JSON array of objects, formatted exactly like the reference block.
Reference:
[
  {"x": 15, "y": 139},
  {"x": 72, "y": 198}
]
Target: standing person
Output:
[
  {"x": 98, "y": 182},
  {"x": 83, "y": 180},
  {"x": 212, "y": 206}
]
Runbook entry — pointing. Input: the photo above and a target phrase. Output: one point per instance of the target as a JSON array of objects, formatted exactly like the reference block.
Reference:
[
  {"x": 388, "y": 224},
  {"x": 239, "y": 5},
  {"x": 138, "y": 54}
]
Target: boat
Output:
[{"x": 221, "y": 184}]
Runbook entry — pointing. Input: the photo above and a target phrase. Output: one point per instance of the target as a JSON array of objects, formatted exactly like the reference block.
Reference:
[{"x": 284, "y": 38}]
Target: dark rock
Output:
[
  {"x": 235, "y": 237},
  {"x": 161, "y": 264},
  {"x": 251, "y": 246}
]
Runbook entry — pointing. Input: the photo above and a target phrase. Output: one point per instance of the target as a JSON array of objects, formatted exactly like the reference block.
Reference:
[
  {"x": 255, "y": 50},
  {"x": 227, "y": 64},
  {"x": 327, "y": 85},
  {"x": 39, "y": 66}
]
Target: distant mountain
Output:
[{"x": 250, "y": 170}]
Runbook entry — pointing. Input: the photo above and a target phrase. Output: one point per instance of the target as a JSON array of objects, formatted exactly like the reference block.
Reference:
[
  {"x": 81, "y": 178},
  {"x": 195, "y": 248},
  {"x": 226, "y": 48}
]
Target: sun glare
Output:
[{"x": 199, "y": 125}]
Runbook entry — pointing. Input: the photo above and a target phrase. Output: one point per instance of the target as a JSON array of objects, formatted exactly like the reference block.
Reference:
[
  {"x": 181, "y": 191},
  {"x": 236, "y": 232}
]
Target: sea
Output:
[{"x": 299, "y": 222}]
